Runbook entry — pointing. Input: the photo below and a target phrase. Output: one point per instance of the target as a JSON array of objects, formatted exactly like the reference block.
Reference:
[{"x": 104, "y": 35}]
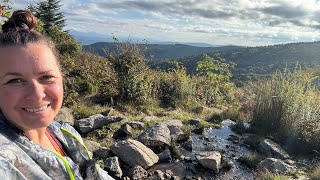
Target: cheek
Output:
[{"x": 9, "y": 98}]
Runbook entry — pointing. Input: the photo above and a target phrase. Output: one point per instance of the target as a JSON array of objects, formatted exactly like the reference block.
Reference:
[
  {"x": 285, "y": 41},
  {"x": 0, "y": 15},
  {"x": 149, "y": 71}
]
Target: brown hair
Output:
[{"x": 19, "y": 30}]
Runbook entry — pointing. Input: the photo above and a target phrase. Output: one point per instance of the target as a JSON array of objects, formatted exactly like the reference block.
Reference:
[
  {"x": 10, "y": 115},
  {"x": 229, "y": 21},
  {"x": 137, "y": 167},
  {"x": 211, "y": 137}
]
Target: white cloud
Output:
[{"x": 242, "y": 22}]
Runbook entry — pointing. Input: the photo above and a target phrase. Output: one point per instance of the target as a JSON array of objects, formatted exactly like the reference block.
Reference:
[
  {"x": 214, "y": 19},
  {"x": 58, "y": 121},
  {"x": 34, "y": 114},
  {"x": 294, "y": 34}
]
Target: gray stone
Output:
[
  {"x": 174, "y": 122},
  {"x": 136, "y": 124},
  {"x": 126, "y": 128},
  {"x": 194, "y": 122},
  {"x": 210, "y": 160},
  {"x": 112, "y": 165},
  {"x": 134, "y": 153},
  {"x": 275, "y": 166},
  {"x": 272, "y": 149},
  {"x": 102, "y": 153},
  {"x": 165, "y": 156},
  {"x": 137, "y": 173},
  {"x": 176, "y": 133},
  {"x": 94, "y": 122},
  {"x": 156, "y": 136},
  {"x": 65, "y": 115}
]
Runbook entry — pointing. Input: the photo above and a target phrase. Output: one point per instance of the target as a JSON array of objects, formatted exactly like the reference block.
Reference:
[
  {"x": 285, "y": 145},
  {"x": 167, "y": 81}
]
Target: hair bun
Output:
[{"x": 21, "y": 19}]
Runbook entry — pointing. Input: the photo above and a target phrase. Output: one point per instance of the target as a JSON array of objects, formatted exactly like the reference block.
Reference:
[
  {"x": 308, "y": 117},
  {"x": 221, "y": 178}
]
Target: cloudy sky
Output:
[{"x": 218, "y": 22}]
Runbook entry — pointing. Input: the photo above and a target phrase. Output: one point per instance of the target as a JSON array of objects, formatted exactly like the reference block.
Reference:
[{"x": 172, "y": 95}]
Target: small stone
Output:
[
  {"x": 194, "y": 122},
  {"x": 137, "y": 173},
  {"x": 210, "y": 160},
  {"x": 112, "y": 165},
  {"x": 136, "y": 124},
  {"x": 126, "y": 128}
]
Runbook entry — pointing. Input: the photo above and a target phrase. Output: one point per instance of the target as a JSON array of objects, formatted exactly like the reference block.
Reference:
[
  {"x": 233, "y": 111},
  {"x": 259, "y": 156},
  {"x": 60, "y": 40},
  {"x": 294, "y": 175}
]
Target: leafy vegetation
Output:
[
  {"x": 287, "y": 107},
  {"x": 5, "y": 7}
]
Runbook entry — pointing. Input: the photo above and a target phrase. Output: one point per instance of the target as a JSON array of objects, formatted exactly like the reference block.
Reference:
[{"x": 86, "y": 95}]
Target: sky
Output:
[{"x": 217, "y": 22}]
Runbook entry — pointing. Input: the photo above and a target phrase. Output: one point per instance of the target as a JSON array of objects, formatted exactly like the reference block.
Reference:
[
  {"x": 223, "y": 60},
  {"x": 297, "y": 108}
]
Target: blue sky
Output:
[{"x": 217, "y": 22}]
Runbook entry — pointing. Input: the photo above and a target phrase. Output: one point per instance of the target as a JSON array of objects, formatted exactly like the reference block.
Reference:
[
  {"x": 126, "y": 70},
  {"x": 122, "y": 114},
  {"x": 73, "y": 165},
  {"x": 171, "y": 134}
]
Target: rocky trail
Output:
[{"x": 166, "y": 150}]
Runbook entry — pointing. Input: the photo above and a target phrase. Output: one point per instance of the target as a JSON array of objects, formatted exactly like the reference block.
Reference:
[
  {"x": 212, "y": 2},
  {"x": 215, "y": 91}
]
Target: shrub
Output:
[
  {"x": 175, "y": 88},
  {"x": 132, "y": 73},
  {"x": 286, "y": 106}
]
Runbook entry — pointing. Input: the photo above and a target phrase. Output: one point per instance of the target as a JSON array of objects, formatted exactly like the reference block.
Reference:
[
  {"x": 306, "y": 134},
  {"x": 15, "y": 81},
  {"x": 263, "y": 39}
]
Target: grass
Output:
[
  {"x": 287, "y": 108},
  {"x": 315, "y": 173},
  {"x": 271, "y": 176}
]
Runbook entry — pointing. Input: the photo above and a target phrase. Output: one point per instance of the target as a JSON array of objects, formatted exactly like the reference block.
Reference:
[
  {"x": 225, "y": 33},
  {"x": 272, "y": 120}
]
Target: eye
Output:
[
  {"x": 47, "y": 78},
  {"x": 15, "y": 81}
]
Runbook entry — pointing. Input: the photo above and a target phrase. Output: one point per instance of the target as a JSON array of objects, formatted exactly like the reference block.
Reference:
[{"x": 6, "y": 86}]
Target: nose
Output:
[{"x": 35, "y": 91}]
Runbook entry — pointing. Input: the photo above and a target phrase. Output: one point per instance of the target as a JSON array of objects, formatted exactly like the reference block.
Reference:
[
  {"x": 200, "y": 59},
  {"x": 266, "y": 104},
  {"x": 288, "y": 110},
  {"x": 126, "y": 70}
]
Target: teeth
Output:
[{"x": 37, "y": 110}]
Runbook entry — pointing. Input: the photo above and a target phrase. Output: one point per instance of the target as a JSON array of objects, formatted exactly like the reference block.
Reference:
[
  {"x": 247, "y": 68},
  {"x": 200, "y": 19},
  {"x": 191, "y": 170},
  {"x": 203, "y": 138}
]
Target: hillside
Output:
[
  {"x": 158, "y": 51},
  {"x": 255, "y": 62}
]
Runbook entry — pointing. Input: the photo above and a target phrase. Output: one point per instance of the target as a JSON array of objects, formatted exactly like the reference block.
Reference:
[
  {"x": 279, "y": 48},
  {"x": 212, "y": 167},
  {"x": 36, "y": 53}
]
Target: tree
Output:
[{"x": 49, "y": 13}]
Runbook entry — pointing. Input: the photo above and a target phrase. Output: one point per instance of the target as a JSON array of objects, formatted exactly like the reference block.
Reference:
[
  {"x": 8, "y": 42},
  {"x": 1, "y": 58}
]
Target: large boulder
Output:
[
  {"x": 112, "y": 165},
  {"x": 94, "y": 122},
  {"x": 156, "y": 136},
  {"x": 272, "y": 149},
  {"x": 275, "y": 166},
  {"x": 134, "y": 153},
  {"x": 65, "y": 115},
  {"x": 210, "y": 160}
]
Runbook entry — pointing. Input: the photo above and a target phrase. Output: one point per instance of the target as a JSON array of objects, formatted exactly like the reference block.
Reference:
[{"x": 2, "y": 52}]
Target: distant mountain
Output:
[
  {"x": 158, "y": 51},
  {"x": 256, "y": 62}
]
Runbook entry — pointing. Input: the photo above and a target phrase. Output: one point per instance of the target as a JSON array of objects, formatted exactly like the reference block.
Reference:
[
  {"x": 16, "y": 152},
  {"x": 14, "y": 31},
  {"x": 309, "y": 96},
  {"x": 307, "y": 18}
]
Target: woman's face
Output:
[{"x": 31, "y": 89}]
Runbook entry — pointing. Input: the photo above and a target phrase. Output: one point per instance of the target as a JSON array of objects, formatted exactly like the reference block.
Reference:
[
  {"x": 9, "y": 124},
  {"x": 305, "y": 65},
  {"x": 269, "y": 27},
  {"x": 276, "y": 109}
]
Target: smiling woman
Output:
[{"x": 32, "y": 144}]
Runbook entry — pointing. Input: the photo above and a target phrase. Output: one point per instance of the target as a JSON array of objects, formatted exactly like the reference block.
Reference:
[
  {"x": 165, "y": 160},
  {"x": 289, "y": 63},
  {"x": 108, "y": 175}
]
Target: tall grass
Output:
[{"x": 287, "y": 107}]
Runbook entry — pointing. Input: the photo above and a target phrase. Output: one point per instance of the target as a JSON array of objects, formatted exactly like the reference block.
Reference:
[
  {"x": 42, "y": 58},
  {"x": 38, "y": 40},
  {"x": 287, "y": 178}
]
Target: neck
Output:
[{"x": 37, "y": 136}]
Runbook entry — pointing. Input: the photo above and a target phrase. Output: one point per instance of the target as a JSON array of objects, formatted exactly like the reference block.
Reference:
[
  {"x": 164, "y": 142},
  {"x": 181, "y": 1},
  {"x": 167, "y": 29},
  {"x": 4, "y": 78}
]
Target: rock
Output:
[
  {"x": 179, "y": 169},
  {"x": 102, "y": 153},
  {"x": 149, "y": 118},
  {"x": 134, "y": 153},
  {"x": 272, "y": 149},
  {"x": 174, "y": 122},
  {"x": 188, "y": 144},
  {"x": 65, "y": 115},
  {"x": 136, "y": 124},
  {"x": 126, "y": 128},
  {"x": 92, "y": 145},
  {"x": 159, "y": 175},
  {"x": 156, "y": 136},
  {"x": 210, "y": 160},
  {"x": 112, "y": 165},
  {"x": 120, "y": 134},
  {"x": 137, "y": 173},
  {"x": 94, "y": 122},
  {"x": 194, "y": 122},
  {"x": 165, "y": 156},
  {"x": 176, "y": 133},
  {"x": 275, "y": 166}
]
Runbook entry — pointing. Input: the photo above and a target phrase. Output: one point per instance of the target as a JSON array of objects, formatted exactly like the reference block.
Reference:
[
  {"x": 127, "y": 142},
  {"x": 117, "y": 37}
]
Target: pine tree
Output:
[{"x": 49, "y": 13}]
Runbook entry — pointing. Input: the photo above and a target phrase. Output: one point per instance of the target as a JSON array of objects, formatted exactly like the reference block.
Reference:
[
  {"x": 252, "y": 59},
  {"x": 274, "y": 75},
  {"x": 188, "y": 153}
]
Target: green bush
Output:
[
  {"x": 175, "y": 88},
  {"x": 132, "y": 74},
  {"x": 287, "y": 107}
]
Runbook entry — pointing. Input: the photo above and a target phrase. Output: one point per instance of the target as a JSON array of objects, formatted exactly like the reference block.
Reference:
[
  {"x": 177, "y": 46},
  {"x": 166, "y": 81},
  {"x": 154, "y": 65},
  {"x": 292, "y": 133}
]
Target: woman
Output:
[{"x": 32, "y": 144}]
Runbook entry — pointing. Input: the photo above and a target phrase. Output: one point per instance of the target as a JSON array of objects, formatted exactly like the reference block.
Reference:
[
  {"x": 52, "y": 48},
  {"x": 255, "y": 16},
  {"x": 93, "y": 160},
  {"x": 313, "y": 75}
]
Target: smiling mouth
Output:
[{"x": 42, "y": 108}]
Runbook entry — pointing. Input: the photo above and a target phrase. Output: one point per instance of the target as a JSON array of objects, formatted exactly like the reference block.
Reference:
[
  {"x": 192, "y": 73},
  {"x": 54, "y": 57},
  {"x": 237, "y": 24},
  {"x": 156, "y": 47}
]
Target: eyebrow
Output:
[{"x": 19, "y": 74}]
